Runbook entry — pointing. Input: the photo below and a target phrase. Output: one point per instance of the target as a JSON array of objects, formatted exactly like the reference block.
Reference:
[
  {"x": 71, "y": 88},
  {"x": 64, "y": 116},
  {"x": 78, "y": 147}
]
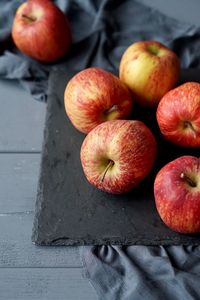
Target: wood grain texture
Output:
[
  {"x": 43, "y": 284},
  {"x": 21, "y": 118},
  {"x": 16, "y": 249},
  {"x": 18, "y": 182},
  {"x": 28, "y": 271}
]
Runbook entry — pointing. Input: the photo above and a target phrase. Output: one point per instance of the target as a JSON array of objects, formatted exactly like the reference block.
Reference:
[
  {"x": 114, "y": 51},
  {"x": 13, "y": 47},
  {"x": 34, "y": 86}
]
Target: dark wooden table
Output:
[{"x": 27, "y": 271}]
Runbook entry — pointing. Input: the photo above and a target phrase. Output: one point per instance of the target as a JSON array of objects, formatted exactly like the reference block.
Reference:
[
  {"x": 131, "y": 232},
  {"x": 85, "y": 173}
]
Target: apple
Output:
[
  {"x": 117, "y": 155},
  {"x": 94, "y": 96},
  {"x": 150, "y": 70},
  {"x": 177, "y": 194},
  {"x": 178, "y": 115},
  {"x": 41, "y": 30}
]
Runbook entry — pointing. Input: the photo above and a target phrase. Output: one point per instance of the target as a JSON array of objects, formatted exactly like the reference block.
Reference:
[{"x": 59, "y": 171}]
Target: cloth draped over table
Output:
[{"x": 102, "y": 30}]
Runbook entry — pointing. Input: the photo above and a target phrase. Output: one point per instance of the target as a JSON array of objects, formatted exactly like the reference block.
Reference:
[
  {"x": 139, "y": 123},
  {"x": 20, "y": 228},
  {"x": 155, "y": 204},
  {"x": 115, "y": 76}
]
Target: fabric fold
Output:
[{"x": 141, "y": 272}]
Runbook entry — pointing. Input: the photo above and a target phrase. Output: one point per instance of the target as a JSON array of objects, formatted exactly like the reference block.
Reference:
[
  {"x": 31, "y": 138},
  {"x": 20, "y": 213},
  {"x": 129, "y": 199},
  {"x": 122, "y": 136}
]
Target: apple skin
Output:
[
  {"x": 150, "y": 70},
  {"x": 177, "y": 194},
  {"x": 94, "y": 96},
  {"x": 178, "y": 115},
  {"x": 41, "y": 30},
  {"x": 117, "y": 155}
]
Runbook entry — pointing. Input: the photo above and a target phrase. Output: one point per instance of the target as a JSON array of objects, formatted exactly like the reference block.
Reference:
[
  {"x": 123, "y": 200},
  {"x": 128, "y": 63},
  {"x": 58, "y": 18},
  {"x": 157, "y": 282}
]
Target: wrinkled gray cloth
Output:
[
  {"x": 143, "y": 273},
  {"x": 102, "y": 30}
]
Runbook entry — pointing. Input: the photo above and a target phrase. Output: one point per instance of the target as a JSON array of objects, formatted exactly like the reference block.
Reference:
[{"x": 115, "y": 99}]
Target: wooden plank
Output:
[
  {"x": 18, "y": 182},
  {"x": 43, "y": 284},
  {"x": 17, "y": 250},
  {"x": 21, "y": 119}
]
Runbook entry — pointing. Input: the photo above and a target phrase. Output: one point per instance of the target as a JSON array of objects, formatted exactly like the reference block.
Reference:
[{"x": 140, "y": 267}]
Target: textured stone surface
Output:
[{"x": 69, "y": 211}]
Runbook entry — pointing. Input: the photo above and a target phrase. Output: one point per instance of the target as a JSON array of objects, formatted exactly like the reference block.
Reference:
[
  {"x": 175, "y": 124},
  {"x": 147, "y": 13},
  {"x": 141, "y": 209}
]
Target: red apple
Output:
[
  {"x": 177, "y": 194},
  {"x": 150, "y": 70},
  {"x": 94, "y": 96},
  {"x": 117, "y": 155},
  {"x": 178, "y": 115},
  {"x": 41, "y": 30}
]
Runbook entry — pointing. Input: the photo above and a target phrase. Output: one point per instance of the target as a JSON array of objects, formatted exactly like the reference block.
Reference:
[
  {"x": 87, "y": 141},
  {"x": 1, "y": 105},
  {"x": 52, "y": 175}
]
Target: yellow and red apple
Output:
[
  {"x": 117, "y": 155},
  {"x": 150, "y": 70},
  {"x": 41, "y": 30},
  {"x": 94, "y": 96},
  {"x": 178, "y": 115}
]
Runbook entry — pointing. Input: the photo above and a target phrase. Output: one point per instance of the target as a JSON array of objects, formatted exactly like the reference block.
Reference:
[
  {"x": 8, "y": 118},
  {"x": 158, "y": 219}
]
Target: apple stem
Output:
[
  {"x": 188, "y": 124},
  {"x": 113, "y": 108},
  {"x": 30, "y": 19},
  {"x": 191, "y": 182},
  {"x": 111, "y": 163}
]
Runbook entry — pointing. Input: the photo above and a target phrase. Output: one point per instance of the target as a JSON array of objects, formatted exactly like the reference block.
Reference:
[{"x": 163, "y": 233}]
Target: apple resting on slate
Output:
[
  {"x": 177, "y": 194},
  {"x": 41, "y": 30},
  {"x": 117, "y": 155},
  {"x": 94, "y": 96},
  {"x": 178, "y": 115},
  {"x": 150, "y": 70}
]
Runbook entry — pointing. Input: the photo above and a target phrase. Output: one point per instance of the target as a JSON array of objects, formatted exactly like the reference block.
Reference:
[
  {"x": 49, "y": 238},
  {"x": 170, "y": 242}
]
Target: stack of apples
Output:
[{"x": 118, "y": 153}]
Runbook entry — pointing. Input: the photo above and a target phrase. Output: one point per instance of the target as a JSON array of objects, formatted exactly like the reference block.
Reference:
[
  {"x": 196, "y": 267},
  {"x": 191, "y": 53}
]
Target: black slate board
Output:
[{"x": 69, "y": 211}]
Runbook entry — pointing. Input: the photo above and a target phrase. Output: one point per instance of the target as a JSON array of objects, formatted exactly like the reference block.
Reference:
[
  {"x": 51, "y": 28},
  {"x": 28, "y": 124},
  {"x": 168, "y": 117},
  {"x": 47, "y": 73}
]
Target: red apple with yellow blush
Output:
[
  {"x": 177, "y": 194},
  {"x": 41, "y": 30},
  {"x": 178, "y": 115},
  {"x": 94, "y": 96},
  {"x": 117, "y": 155}
]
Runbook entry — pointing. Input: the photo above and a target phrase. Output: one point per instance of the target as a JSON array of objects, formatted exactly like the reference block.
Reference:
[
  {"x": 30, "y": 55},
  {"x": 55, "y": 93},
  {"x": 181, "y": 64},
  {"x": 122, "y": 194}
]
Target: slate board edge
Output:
[
  {"x": 38, "y": 204},
  {"x": 86, "y": 242}
]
